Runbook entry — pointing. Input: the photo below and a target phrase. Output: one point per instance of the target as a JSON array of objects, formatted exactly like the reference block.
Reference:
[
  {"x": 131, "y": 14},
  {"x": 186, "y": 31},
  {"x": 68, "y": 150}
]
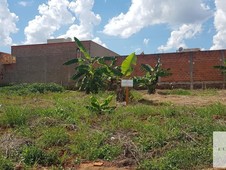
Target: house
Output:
[
  {"x": 5, "y": 59},
  {"x": 43, "y": 63}
]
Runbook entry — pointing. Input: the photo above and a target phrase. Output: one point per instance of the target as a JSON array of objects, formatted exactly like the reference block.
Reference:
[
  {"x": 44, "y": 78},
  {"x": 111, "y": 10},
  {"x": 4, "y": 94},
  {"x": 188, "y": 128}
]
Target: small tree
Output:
[{"x": 151, "y": 77}]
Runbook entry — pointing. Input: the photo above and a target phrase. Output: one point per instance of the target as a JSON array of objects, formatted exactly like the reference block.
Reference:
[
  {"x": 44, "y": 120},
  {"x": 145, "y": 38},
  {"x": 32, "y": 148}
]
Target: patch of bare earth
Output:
[
  {"x": 192, "y": 100},
  {"x": 101, "y": 166}
]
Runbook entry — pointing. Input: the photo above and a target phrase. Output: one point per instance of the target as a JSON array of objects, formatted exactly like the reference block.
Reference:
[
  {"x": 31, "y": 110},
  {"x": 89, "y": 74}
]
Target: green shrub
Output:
[
  {"x": 42, "y": 88},
  {"x": 25, "y": 89}
]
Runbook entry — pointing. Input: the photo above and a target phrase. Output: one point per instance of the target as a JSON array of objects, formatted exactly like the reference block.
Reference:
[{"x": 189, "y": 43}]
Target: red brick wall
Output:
[
  {"x": 187, "y": 67},
  {"x": 203, "y": 66}
]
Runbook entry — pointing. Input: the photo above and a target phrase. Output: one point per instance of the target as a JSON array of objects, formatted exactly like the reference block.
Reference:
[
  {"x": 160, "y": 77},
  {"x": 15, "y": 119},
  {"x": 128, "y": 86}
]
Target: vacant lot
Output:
[{"x": 53, "y": 129}]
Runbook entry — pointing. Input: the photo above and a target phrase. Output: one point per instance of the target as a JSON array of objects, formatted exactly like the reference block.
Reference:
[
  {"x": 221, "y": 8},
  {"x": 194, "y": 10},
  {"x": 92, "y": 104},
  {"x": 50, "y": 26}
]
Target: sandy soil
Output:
[
  {"x": 195, "y": 100},
  {"x": 105, "y": 166}
]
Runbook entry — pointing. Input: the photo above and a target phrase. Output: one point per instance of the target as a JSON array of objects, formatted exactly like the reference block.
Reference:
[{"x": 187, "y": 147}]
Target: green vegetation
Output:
[
  {"x": 6, "y": 164},
  {"x": 24, "y": 89},
  {"x": 127, "y": 64},
  {"x": 151, "y": 77},
  {"x": 207, "y": 92},
  {"x": 32, "y": 155},
  {"x": 90, "y": 72},
  {"x": 56, "y": 130},
  {"x": 222, "y": 68},
  {"x": 100, "y": 107},
  {"x": 93, "y": 74}
]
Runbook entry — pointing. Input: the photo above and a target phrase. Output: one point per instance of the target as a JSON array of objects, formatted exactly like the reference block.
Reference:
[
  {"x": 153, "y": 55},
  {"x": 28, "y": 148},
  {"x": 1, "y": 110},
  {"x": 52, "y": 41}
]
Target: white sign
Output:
[
  {"x": 127, "y": 83},
  {"x": 219, "y": 149}
]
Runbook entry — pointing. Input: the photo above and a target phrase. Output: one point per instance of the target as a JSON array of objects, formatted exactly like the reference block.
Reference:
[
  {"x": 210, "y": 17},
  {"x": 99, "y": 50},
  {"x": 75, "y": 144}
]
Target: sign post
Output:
[{"x": 127, "y": 84}]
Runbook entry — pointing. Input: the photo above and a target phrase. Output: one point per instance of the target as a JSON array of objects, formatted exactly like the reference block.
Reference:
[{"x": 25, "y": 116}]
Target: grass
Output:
[
  {"x": 6, "y": 164},
  {"x": 63, "y": 133},
  {"x": 184, "y": 92}
]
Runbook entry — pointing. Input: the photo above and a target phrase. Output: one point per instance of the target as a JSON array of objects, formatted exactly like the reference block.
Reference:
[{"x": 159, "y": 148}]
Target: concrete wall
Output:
[
  {"x": 98, "y": 50},
  {"x": 44, "y": 62},
  {"x": 1, "y": 73}
]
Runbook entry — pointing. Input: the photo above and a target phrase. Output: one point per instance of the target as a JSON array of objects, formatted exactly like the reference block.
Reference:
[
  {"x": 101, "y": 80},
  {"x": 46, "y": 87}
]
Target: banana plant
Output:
[
  {"x": 222, "y": 68},
  {"x": 120, "y": 72},
  {"x": 100, "y": 106},
  {"x": 151, "y": 77},
  {"x": 89, "y": 72},
  {"x": 127, "y": 64}
]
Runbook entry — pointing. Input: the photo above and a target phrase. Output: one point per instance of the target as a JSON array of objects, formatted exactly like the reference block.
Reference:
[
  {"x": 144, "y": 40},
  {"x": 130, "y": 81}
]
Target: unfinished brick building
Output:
[{"x": 44, "y": 63}]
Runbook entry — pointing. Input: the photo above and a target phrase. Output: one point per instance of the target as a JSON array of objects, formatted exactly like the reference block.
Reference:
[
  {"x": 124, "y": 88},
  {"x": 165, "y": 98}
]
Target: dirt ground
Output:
[
  {"x": 101, "y": 166},
  {"x": 191, "y": 100}
]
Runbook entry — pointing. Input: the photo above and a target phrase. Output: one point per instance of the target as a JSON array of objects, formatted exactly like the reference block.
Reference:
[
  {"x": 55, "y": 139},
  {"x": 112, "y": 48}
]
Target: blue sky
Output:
[{"x": 124, "y": 26}]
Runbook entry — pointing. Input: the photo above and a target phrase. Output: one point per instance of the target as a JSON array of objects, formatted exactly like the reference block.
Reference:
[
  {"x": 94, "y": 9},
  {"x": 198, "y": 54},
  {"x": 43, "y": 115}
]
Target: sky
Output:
[{"x": 124, "y": 26}]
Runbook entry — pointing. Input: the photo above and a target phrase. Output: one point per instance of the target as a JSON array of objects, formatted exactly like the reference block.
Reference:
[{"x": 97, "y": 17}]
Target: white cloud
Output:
[
  {"x": 146, "y": 41},
  {"x": 25, "y": 3},
  {"x": 57, "y": 13},
  {"x": 219, "y": 40},
  {"x": 87, "y": 20},
  {"x": 98, "y": 41},
  {"x": 144, "y": 13},
  {"x": 51, "y": 17},
  {"x": 181, "y": 16},
  {"x": 176, "y": 40},
  {"x": 138, "y": 50},
  {"x": 8, "y": 23}
]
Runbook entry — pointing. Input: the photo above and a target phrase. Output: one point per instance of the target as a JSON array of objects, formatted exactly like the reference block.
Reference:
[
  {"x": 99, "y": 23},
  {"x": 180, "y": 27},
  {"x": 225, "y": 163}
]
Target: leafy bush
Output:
[{"x": 42, "y": 87}]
